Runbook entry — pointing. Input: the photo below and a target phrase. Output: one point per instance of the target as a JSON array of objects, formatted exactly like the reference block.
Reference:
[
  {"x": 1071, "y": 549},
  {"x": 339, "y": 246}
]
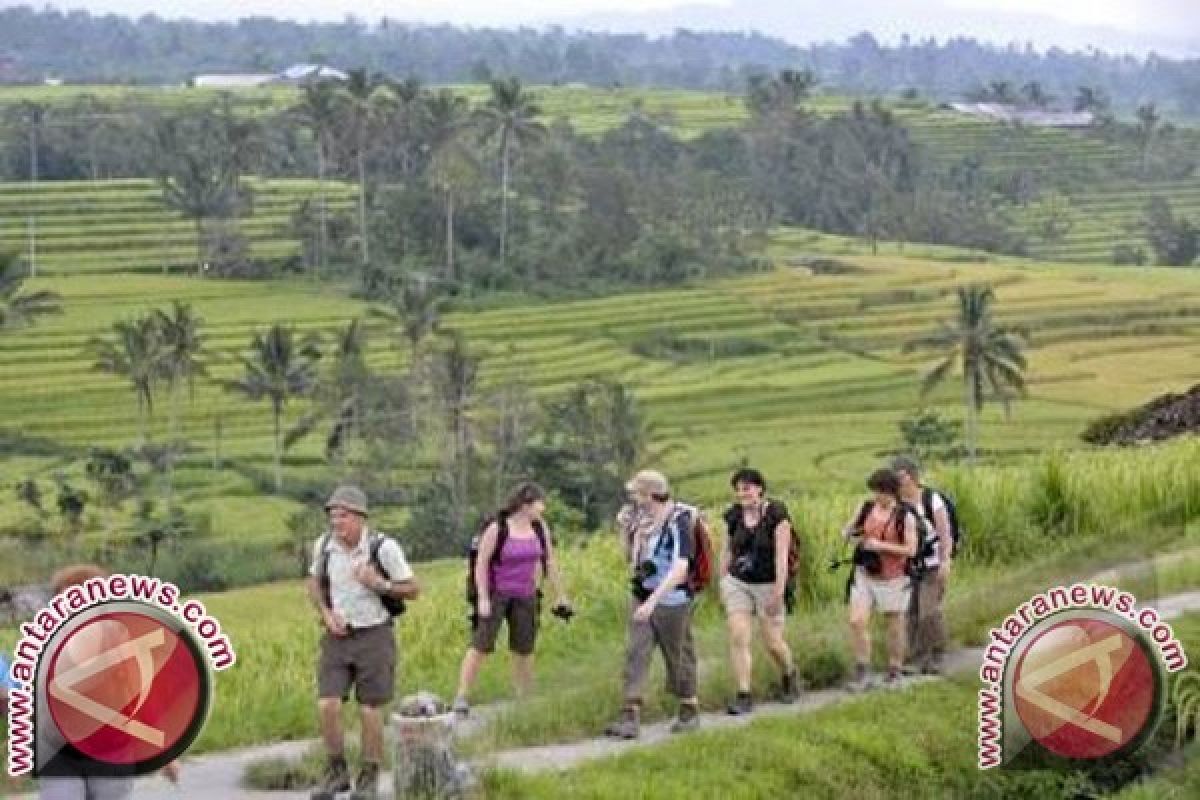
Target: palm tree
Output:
[
  {"x": 1148, "y": 119},
  {"x": 510, "y": 117},
  {"x": 365, "y": 97},
  {"x": 318, "y": 111},
  {"x": 19, "y": 309},
  {"x": 136, "y": 355},
  {"x": 456, "y": 378},
  {"x": 1089, "y": 98},
  {"x": 453, "y": 167},
  {"x": 991, "y": 356},
  {"x": 181, "y": 362},
  {"x": 416, "y": 310},
  {"x": 1035, "y": 94},
  {"x": 278, "y": 369}
]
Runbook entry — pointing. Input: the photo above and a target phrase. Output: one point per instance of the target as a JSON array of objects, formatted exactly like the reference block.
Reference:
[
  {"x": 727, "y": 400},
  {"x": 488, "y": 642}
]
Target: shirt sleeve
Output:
[
  {"x": 391, "y": 557},
  {"x": 316, "y": 556}
]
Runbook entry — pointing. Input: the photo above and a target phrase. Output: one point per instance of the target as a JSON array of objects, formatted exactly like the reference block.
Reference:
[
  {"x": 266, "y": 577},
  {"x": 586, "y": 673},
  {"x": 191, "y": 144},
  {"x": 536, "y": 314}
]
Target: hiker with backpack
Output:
[
  {"x": 884, "y": 532},
  {"x": 503, "y": 588},
  {"x": 670, "y": 558},
  {"x": 758, "y": 565},
  {"x": 358, "y": 581},
  {"x": 926, "y": 621}
]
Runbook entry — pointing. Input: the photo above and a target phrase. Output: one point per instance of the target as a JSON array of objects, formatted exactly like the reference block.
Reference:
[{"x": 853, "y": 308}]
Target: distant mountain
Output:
[{"x": 808, "y": 21}]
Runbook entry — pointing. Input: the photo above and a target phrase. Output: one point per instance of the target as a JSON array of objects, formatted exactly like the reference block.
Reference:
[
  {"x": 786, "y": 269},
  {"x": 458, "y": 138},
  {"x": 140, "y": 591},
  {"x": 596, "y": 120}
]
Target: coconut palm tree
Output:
[
  {"x": 135, "y": 353},
  {"x": 279, "y": 368},
  {"x": 318, "y": 111},
  {"x": 19, "y": 309},
  {"x": 992, "y": 357},
  {"x": 453, "y": 168},
  {"x": 365, "y": 98},
  {"x": 181, "y": 362},
  {"x": 510, "y": 118}
]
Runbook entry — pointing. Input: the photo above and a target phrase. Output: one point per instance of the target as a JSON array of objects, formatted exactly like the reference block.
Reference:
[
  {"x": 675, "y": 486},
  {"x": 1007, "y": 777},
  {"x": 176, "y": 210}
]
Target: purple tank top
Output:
[{"x": 515, "y": 575}]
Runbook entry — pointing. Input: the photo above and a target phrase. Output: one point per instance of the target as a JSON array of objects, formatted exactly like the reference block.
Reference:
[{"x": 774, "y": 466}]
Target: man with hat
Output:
[
  {"x": 660, "y": 545},
  {"x": 352, "y": 570}
]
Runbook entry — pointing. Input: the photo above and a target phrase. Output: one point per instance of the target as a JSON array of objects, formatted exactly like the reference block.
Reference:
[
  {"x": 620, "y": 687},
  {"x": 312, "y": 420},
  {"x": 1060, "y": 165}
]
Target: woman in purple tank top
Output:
[{"x": 512, "y": 549}]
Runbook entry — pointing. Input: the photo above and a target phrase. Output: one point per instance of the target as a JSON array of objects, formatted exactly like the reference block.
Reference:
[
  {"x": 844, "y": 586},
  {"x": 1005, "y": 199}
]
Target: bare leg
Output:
[
  {"x": 777, "y": 646},
  {"x": 897, "y": 630},
  {"x": 372, "y": 734},
  {"x": 471, "y": 663},
  {"x": 522, "y": 674},
  {"x": 329, "y": 713},
  {"x": 741, "y": 626},
  {"x": 860, "y": 636}
]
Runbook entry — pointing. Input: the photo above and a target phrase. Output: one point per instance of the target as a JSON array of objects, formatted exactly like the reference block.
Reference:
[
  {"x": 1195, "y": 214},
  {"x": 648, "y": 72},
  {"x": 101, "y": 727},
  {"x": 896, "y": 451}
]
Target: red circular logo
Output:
[
  {"x": 1085, "y": 688},
  {"x": 128, "y": 688}
]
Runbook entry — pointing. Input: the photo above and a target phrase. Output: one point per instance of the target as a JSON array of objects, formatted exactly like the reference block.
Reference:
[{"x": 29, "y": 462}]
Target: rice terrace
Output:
[{"x": 441, "y": 262}]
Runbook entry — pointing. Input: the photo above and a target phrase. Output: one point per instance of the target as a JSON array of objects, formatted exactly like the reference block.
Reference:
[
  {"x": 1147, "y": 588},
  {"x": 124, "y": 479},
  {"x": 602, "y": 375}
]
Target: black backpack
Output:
[
  {"x": 501, "y": 537},
  {"x": 956, "y": 531},
  {"x": 395, "y": 606}
]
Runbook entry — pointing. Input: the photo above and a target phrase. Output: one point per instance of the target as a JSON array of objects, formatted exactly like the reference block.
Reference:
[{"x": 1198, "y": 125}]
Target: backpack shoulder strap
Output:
[
  {"x": 376, "y": 544},
  {"x": 540, "y": 530},
  {"x": 323, "y": 557},
  {"x": 501, "y": 536},
  {"x": 863, "y": 511},
  {"x": 927, "y": 495}
]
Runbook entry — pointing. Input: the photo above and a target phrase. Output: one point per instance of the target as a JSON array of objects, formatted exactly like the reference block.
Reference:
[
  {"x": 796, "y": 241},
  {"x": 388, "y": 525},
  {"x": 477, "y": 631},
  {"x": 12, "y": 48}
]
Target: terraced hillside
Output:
[
  {"x": 802, "y": 373},
  {"x": 123, "y": 226}
]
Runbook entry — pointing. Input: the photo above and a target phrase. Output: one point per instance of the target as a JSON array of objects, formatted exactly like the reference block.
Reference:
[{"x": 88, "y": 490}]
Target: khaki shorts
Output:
[
  {"x": 748, "y": 598},
  {"x": 365, "y": 659},
  {"x": 521, "y": 613},
  {"x": 891, "y": 596}
]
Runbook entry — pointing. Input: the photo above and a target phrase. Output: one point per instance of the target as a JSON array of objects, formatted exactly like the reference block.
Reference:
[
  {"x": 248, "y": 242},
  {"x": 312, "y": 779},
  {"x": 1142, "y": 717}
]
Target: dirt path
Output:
[{"x": 218, "y": 775}]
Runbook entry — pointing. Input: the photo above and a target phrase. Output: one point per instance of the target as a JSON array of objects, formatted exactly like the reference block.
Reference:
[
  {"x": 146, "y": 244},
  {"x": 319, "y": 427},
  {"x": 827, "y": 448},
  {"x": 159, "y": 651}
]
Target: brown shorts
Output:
[
  {"x": 364, "y": 659},
  {"x": 522, "y": 616}
]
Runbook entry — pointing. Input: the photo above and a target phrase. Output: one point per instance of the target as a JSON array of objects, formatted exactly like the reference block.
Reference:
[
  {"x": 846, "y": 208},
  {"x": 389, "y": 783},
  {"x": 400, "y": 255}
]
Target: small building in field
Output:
[
  {"x": 231, "y": 81},
  {"x": 303, "y": 73}
]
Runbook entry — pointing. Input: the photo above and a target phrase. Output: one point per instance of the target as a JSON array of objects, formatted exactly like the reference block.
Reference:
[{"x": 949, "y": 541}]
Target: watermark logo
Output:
[
  {"x": 1077, "y": 672},
  {"x": 114, "y": 677}
]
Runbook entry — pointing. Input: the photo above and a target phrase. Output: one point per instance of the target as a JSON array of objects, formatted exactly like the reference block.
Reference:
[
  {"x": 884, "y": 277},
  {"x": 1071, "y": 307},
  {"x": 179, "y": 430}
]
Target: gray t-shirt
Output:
[{"x": 359, "y": 605}]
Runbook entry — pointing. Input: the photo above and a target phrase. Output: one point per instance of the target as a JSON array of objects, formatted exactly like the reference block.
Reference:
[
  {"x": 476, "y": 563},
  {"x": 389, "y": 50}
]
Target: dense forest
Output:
[{"x": 80, "y": 47}]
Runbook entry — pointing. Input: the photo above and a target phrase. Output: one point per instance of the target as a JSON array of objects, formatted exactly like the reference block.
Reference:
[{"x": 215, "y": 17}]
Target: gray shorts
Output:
[
  {"x": 890, "y": 596},
  {"x": 364, "y": 659},
  {"x": 90, "y": 788}
]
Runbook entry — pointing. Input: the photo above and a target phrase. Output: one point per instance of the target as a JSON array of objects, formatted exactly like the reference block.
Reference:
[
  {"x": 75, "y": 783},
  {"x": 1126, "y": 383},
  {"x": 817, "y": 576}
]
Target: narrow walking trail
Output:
[{"x": 217, "y": 776}]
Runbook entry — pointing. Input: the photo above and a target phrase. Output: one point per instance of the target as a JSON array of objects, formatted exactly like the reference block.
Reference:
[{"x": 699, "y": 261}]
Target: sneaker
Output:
[
  {"x": 366, "y": 784},
  {"x": 789, "y": 688},
  {"x": 626, "y": 727},
  {"x": 461, "y": 707},
  {"x": 862, "y": 680},
  {"x": 336, "y": 779},
  {"x": 688, "y": 719},
  {"x": 911, "y": 669},
  {"x": 932, "y": 667},
  {"x": 892, "y": 680},
  {"x": 743, "y": 703}
]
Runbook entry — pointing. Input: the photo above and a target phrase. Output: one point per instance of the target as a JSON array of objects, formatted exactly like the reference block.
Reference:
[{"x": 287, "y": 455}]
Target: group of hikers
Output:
[{"x": 903, "y": 539}]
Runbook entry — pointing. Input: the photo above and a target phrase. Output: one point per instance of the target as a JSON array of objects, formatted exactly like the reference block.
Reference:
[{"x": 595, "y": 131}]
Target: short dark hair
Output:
[
  {"x": 907, "y": 464},
  {"x": 884, "y": 480},
  {"x": 748, "y": 475}
]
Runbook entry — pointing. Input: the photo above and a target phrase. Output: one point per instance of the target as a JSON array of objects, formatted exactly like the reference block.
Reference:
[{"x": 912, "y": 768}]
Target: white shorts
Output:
[
  {"x": 748, "y": 598},
  {"x": 891, "y": 596}
]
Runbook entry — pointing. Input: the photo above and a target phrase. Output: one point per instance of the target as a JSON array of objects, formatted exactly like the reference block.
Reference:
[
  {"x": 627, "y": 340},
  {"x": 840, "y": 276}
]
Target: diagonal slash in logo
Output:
[
  {"x": 62, "y": 686},
  {"x": 1099, "y": 653}
]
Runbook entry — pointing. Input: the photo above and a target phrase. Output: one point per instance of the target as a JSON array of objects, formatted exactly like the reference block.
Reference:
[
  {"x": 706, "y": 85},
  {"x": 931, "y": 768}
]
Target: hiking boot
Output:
[
  {"x": 688, "y": 719},
  {"x": 789, "y": 687},
  {"x": 336, "y": 779},
  {"x": 932, "y": 667},
  {"x": 366, "y": 784},
  {"x": 743, "y": 703},
  {"x": 892, "y": 680},
  {"x": 461, "y": 707},
  {"x": 912, "y": 669},
  {"x": 626, "y": 727},
  {"x": 862, "y": 680}
]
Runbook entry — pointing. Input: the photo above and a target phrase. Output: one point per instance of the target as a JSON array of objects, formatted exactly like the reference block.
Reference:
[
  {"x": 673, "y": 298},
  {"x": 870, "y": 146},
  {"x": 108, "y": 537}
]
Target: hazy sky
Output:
[{"x": 1133, "y": 24}]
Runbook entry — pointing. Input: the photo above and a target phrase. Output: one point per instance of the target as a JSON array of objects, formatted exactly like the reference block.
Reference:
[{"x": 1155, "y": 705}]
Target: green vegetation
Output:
[{"x": 85, "y": 227}]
